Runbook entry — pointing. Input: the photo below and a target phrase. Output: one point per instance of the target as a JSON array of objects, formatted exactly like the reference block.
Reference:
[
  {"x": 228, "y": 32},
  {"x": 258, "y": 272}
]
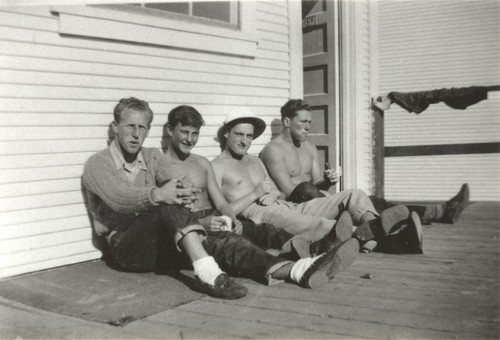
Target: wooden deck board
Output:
[{"x": 451, "y": 291}]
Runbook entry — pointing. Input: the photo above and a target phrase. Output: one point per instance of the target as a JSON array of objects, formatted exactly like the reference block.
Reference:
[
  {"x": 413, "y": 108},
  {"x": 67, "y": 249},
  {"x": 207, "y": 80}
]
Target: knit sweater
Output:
[{"x": 111, "y": 197}]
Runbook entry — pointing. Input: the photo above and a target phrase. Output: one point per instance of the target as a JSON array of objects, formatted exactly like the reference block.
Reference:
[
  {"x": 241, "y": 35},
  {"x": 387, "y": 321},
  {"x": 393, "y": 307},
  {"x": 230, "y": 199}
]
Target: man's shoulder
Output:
[
  {"x": 218, "y": 162},
  {"x": 99, "y": 157},
  {"x": 199, "y": 159},
  {"x": 252, "y": 158},
  {"x": 274, "y": 148},
  {"x": 276, "y": 143},
  {"x": 151, "y": 153}
]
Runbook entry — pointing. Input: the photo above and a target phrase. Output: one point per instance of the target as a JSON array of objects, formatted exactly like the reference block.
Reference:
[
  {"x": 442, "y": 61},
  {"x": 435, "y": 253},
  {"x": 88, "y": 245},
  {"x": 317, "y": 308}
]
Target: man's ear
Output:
[
  {"x": 286, "y": 122},
  {"x": 226, "y": 134},
  {"x": 170, "y": 130}
]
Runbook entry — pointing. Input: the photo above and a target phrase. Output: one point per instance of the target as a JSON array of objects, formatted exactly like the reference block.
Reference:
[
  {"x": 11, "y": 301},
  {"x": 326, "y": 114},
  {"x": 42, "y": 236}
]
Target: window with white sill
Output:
[{"x": 226, "y": 27}]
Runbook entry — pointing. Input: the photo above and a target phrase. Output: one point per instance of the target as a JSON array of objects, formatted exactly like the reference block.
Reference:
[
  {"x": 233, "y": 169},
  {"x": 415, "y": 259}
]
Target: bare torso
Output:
[
  {"x": 194, "y": 171},
  {"x": 296, "y": 162},
  {"x": 238, "y": 177}
]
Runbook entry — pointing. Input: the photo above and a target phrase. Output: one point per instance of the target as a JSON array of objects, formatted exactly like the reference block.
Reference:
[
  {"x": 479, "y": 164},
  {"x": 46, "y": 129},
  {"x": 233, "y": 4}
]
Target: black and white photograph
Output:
[{"x": 250, "y": 169}]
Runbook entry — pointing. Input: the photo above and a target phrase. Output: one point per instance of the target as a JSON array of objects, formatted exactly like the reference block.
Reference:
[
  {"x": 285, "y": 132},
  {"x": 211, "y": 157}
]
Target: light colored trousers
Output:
[{"x": 315, "y": 217}]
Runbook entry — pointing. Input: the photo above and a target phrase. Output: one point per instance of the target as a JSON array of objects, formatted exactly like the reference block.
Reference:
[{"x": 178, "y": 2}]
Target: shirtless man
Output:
[
  {"x": 293, "y": 163},
  {"x": 183, "y": 128},
  {"x": 243, "y": 177}
]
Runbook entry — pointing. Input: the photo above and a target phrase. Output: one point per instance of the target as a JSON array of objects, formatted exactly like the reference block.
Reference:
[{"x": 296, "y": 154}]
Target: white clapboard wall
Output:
[
  {"x": 363, "y": 135},
  {"x": 426, "y": 45},
  {"x": 57, "y": 93}
]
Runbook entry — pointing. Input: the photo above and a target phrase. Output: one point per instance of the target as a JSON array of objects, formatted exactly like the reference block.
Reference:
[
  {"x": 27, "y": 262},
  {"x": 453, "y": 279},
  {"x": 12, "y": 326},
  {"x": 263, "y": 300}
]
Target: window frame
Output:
[{"x": 115, "y": 23}]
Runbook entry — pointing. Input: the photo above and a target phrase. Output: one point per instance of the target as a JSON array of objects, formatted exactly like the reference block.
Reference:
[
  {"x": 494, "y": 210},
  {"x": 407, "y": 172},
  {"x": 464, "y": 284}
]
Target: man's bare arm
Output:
[
  {"x": 319, "y": 177},
  {"x": 275, "y": 190},
  {"x": 216, "y": 195},
  {"x": 317, "y": 167},
  {"x": 274, "y": 162}
]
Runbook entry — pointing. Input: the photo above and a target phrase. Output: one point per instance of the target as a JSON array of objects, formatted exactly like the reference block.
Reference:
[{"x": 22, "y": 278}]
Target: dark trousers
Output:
[
  {"x": 265, "y": 235},
  {"x": 146, "y": 242}
]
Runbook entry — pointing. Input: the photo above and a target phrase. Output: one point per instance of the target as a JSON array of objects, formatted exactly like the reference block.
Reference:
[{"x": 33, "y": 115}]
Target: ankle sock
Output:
[
  {"x": 207, "y": 269},
  {"x": 300, "y": 267}
]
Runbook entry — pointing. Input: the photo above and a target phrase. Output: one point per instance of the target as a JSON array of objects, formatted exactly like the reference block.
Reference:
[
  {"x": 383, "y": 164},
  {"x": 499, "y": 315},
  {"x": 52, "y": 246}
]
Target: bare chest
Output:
[
  {"x": 298, "y": 161},
  {"x": 190, "y": 171}
]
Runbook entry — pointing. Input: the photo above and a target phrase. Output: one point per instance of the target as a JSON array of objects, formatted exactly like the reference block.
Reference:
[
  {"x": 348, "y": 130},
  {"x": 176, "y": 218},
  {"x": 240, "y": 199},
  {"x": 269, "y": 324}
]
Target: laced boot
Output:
[{"x": 390, "y": 221}]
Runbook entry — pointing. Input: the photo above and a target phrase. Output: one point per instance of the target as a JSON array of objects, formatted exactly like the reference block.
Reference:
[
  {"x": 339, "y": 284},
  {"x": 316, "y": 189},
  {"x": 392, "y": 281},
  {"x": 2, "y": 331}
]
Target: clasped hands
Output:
[{"x": 178, "y": 191}]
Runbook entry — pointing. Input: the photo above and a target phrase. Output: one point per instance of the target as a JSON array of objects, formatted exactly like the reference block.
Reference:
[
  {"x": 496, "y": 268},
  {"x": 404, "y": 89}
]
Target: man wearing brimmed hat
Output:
[{"x": 245, "y": 183}]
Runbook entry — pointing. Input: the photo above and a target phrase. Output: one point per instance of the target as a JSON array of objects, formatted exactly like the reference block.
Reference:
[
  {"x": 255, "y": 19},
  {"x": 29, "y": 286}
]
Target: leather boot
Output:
[
  {"x": 340, "y": 232},
  {"x": 390, "y": 221},
  {"x": 408, "y": 240},
  {"x": 455, "y": 206}
]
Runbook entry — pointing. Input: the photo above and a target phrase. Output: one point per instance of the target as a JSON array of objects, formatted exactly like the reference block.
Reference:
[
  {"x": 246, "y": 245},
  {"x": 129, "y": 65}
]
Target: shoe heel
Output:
[{"x": 368, "y": 246}]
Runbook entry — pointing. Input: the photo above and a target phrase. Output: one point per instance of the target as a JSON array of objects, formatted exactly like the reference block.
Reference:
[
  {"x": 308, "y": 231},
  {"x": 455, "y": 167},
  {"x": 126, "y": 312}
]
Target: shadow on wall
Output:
[
  {"x": 164, "y": 138},
  {"x": 98, "y": 242},
  {"x": 276, "y": 127},
  {"x": 111, "y": 134}
]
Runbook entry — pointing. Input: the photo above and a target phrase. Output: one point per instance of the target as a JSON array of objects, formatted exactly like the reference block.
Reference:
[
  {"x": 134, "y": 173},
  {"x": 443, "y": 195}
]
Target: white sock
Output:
[
  {"x": 300, "y": 267},
  {"x": 207, "y": 269}
]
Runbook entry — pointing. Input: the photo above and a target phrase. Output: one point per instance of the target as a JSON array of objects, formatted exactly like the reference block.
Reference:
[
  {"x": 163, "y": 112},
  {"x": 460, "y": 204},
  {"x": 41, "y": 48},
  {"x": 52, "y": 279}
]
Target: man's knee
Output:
[
  {"x": 176, "y": 222},
  {"x": 357, "y": 193},
  {"x": 303, "y": 192}
]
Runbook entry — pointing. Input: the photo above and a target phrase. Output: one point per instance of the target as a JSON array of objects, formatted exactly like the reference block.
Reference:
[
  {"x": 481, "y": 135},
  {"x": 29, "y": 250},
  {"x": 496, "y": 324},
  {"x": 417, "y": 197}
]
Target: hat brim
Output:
[{"x": 258, "y": 124}]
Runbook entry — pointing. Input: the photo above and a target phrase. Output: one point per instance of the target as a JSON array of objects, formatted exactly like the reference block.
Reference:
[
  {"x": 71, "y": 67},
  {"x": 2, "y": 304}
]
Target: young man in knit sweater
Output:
[{"x": 143, "y": 222}]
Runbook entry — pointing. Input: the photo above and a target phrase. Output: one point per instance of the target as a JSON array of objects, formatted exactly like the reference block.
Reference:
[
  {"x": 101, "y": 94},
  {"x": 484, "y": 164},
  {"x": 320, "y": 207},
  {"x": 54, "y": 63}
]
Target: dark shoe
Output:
[
  {"x": 408, "y": 240},
  {"x": 456, "y": 205},
  {"x": 340, "y": 232},
  {"x": 390, "y": 220},
  {"x": 330, "y": 264},
  {"x": 224, "y": 287}
]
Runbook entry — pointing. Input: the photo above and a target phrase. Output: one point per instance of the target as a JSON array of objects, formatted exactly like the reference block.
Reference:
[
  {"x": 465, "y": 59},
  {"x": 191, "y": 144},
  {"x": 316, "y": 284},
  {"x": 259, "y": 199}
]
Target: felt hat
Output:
[{"x": 241, "y": 116}]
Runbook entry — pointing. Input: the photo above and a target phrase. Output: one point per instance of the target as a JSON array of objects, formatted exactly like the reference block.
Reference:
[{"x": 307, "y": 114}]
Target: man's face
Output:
[
  {"x": 131, "y": 131},
  {"x": 239, "y": 138},
  {"x": 184, "y": 138},
  {"x": 300, "y": 124}
]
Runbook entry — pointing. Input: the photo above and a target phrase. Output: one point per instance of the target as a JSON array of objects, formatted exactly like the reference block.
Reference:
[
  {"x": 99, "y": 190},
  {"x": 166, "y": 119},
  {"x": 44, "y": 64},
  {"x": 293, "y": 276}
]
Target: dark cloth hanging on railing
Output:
[{"x": 457, "y": 98}]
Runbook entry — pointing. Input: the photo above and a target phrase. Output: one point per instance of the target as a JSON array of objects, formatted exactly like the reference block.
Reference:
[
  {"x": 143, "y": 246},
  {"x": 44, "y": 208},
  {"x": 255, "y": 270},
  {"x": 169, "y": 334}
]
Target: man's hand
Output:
[
  {"x": 217, "y": 223},
  {"x": 269, "y": 198},
  {"x": 213, "y": 223},
  {"x": 176, "y": 192},
  {"x": 331, "y": 175}
]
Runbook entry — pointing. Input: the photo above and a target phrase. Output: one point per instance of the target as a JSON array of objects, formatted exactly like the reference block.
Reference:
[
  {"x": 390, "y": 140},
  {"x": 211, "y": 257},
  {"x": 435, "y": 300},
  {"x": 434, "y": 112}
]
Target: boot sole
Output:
[
  {"x": 392, "y": 218},
  {"x": 464, "y": 192},
  {"x": 343, "y": 229},
  {"x": 333, "y": 263}
]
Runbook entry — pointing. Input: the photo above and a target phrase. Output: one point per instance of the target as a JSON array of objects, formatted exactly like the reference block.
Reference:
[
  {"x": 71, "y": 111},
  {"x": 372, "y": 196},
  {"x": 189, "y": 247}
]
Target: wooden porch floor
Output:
[{"x": 452, "y": 291}]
